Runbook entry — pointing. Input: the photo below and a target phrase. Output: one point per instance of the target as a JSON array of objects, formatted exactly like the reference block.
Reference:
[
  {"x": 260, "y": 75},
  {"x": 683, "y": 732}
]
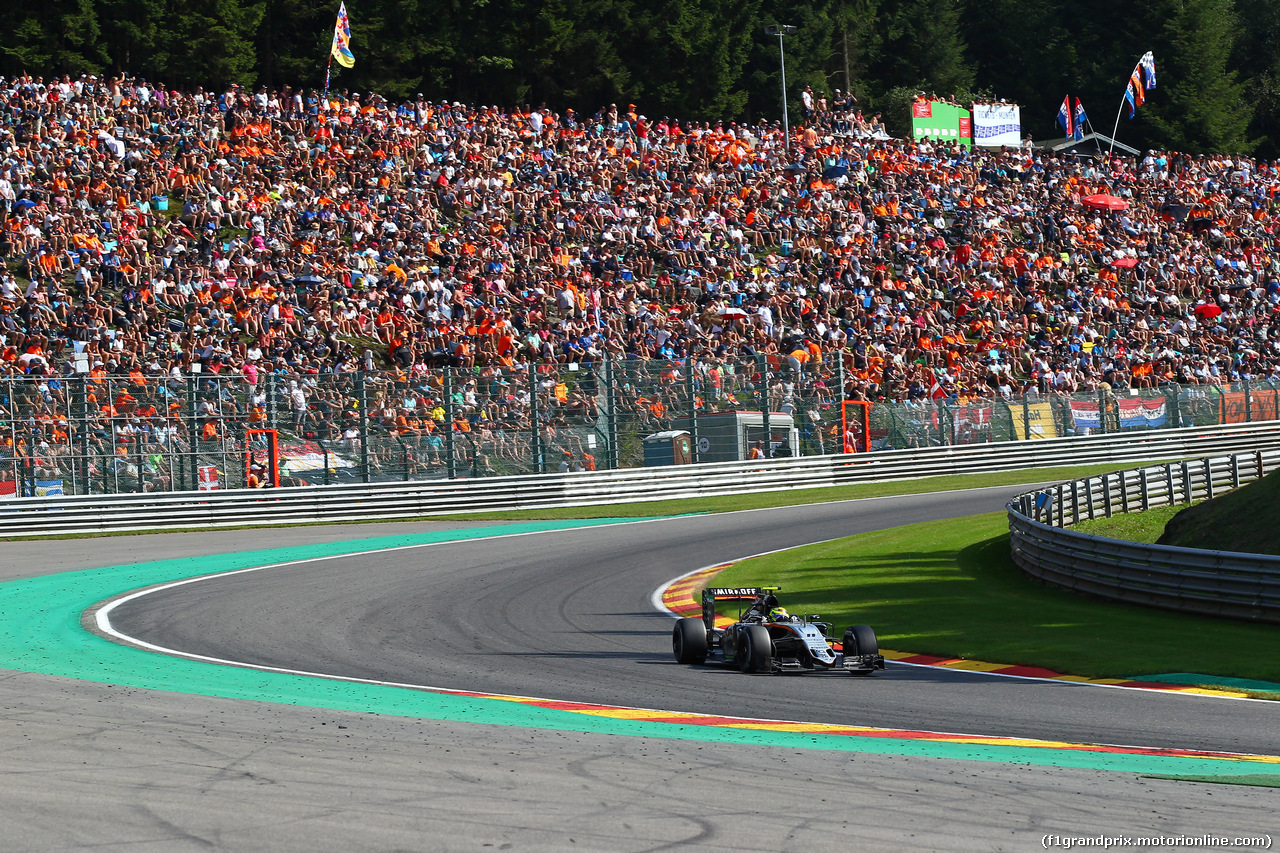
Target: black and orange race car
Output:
[{"x": 766, "y": 638}]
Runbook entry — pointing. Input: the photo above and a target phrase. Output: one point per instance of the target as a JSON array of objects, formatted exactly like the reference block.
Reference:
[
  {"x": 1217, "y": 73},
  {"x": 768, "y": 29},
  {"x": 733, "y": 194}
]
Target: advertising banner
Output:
[
  {"x": 1235, "y": 408},
  {"x": 1143, "y": 413},
  {"x": 1134, "y": 413},
  {"x": 45, "y": 489},
  {"x": 972, "y": 424},
  {"x": 997, "y": 124},
  {"x": 208, "y": 477},
  {"x": 1035, "y": 420},
  {"x": 940, "y": 120},
  {"x": 309, "y": 456}
]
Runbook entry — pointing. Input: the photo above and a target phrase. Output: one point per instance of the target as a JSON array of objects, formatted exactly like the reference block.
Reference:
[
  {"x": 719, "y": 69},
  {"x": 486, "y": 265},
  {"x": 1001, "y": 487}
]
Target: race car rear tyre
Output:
[
  {"x": 689, "y": 641},
  {"x": 755, "y": 649},
  {"x": 860, "y": 640}
]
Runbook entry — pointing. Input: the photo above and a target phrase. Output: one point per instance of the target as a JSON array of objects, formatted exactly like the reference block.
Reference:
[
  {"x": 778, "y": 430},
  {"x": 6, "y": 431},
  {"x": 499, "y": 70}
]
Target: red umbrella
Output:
[
  {"x": 1102, "y": 201},
  {"x": 1125, "y": 263},
  {"x": 1207, "y": 311}
]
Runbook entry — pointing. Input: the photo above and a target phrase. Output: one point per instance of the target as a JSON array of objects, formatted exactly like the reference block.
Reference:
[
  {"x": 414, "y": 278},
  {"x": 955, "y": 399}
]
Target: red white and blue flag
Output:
[
  {"x": 1080, "y": 118},
  {"x": 1064, "y": 117}
]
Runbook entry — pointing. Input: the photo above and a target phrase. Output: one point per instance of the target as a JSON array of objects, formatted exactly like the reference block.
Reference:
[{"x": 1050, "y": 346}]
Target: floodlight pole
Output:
[{"x": 781, "y": 30}]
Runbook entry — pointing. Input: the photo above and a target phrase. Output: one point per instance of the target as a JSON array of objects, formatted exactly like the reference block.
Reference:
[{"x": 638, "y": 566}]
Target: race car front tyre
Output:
[
  {"x": 689, "y": 641},
  {"x": 755, "y": 649},
  {"x": 860, "y": 640}
]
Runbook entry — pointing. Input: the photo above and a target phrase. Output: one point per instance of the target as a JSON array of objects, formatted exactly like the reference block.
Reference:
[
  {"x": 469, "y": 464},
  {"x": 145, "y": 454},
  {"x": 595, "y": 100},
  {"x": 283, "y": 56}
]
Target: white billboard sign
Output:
[{"x": 997, "y": 124}]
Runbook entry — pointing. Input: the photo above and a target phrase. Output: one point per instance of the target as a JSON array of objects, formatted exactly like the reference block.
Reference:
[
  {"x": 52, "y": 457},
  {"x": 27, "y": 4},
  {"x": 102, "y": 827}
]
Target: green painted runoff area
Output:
[
  {"x": 949, "y": 588},
  {"x": 41, "y": 632}
]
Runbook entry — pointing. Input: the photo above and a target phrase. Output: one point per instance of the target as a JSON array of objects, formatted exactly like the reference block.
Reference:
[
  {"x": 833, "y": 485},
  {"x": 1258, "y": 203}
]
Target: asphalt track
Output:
[{"x": 566, "y": 615}]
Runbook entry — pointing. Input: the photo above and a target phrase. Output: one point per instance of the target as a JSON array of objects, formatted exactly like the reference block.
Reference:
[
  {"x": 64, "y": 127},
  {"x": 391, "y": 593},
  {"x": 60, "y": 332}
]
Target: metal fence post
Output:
[
  {"x": 1088, "y": 496},
  {"x": 1248, "y": 403},
  {"x": 193, "y": 431},
  {"x": 536, "y": 419},
  {"x": 693, "y": 408},
  {"x": 1235, "y": 470},
  {"x": 1208, "y": 479},
  {"x": 840, "y": 374},
  {"x": 140, "y": 458},
  {"x": 763, "y": 364},
  {"x": 1257, "y": 455},
  {"x": 1124, "y": 491},
  {"x": 82, "y": 404},
  {"x": 1144, "y": 485},
  {"x": 451, "y": 463},
  {"x": 362, "y": 400},
  {"x": 1186, "y": 482},
  {"x": 1170, "y": 500},
  {"x": 1075, "y": 501},
  {"x": 1026, "y": 418},
  {"x": 1172, "y": 406},
  {"x": 1106, "y": 494},
  {"x": 1060, "y": 507},
  {"x": 611, "y": 405},
  {"x": 273, "y": 417}
]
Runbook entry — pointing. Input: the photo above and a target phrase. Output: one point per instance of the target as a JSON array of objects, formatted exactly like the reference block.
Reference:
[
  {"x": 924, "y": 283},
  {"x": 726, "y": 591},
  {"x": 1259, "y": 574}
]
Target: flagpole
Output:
[
  {"x": 1093, "y": 130},
  {"x": 1116, "y": 129},
  {"x": 327, "y": 69},
  {"x": 1123, "y": 98}
]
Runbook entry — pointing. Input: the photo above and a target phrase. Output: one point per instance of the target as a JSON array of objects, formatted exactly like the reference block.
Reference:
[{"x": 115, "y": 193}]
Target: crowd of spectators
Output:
[{"x": 149, "y": 233}]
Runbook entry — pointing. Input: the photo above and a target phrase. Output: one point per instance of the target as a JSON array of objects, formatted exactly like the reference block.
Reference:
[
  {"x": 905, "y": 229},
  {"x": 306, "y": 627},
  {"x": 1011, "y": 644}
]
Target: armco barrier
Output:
[
  {"x": 170, "y": 510},
  {"x": 1219, "y": 583}
]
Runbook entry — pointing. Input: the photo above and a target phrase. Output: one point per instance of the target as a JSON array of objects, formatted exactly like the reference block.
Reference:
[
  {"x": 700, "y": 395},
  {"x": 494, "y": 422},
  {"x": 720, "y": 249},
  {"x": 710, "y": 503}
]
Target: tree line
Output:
[{"x": 1218, "y": 61}]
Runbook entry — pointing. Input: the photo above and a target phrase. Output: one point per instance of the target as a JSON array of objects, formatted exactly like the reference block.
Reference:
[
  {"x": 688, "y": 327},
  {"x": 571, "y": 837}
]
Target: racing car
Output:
[{"x": 766, "y": 638}]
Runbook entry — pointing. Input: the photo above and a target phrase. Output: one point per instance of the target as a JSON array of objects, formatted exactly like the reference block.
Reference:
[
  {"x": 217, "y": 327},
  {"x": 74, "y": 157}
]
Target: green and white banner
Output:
[{"x": 941, "y": 120}]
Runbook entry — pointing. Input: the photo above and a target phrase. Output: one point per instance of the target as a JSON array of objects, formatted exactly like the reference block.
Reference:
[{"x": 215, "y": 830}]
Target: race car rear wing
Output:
[{"x": 713, "y": 594}]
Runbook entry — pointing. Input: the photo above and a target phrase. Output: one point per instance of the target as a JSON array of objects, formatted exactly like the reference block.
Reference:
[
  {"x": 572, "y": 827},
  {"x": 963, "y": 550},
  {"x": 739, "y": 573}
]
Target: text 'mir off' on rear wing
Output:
[{"x": 713, "y": 594}]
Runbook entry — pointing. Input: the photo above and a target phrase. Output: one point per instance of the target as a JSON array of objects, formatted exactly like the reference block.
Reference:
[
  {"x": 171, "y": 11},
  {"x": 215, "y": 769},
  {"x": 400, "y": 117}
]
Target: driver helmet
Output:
[{"x": 779, "y": 614}]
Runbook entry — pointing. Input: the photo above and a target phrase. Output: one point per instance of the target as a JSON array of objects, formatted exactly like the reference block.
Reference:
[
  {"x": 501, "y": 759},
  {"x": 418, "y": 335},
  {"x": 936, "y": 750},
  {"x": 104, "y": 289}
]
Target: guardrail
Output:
[
  {"x": 367, "y": 502},
  {"x": 1219, "y": 583}
]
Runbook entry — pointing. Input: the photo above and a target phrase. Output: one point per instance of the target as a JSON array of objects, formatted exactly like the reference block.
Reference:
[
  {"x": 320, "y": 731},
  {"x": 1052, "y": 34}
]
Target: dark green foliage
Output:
[
  {"x": 1219, "y": 60},
  {"x": 1205, "y": 108}
]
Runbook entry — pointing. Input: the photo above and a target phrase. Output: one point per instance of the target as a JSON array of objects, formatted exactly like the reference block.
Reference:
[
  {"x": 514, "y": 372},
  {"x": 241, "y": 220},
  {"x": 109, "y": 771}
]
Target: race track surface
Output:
[
  {"x": 564, "y": 615},
  {"x": 567, "y": 615}
]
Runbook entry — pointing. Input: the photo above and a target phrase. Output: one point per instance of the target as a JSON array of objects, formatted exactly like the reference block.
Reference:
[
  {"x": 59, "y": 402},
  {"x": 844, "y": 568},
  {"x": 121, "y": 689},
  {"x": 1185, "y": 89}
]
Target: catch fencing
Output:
[{"x": 128, "y": 432}]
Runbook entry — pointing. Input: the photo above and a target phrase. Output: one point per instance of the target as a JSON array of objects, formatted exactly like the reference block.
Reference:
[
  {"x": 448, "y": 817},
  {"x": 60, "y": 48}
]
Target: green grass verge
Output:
[
  {"x": 800, "y": 497},
  {"x": 949, "y": 588},
  {"x": 1134, "y": 526},
  {"x": 1240, "y": 520}
]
